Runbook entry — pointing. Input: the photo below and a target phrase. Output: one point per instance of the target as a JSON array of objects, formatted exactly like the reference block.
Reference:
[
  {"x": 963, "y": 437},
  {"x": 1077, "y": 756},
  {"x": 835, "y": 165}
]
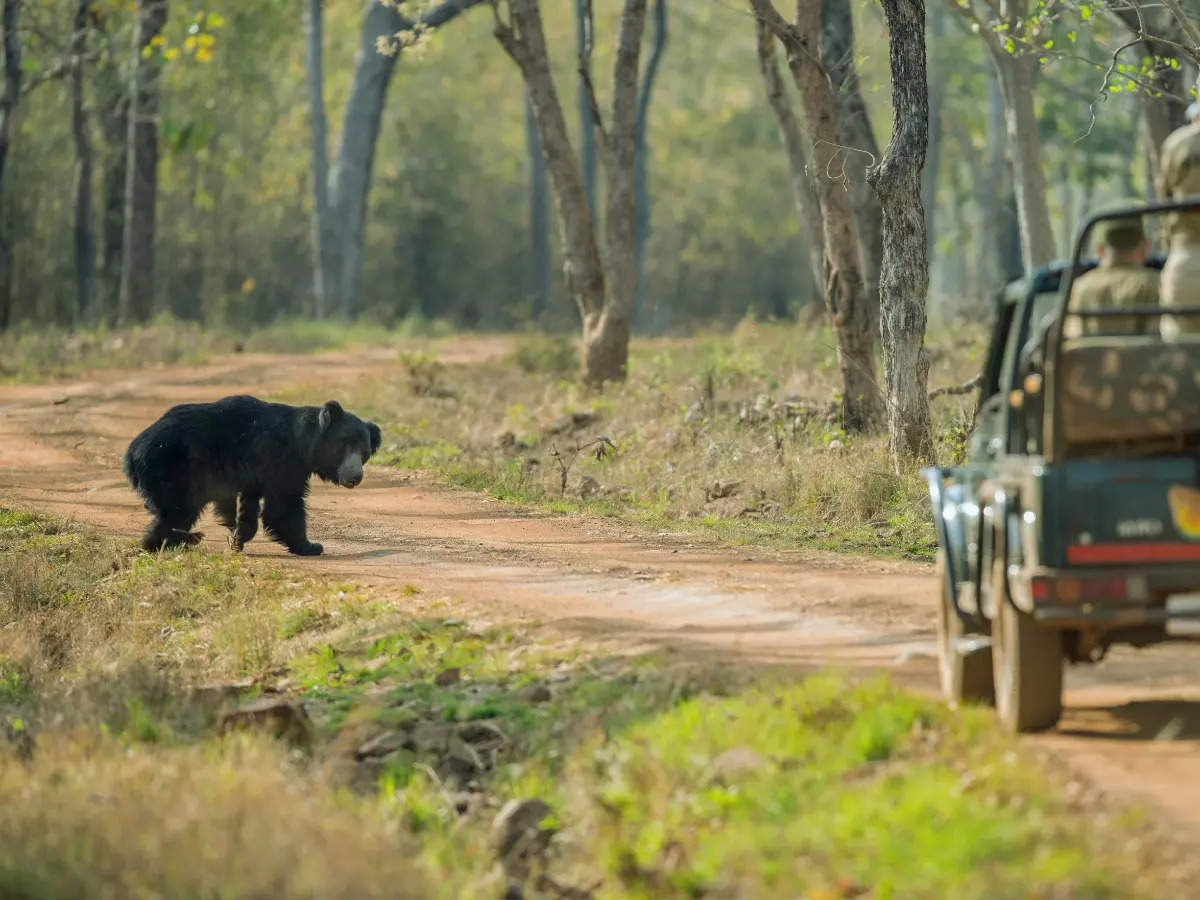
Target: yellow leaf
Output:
[
  {"x": 171, "y": 53},
  {"x": 203, "y": 55},
  {"x": 158, "y": 41},
  {"x": 248, "y": 285},
  {"x": 190, "y": 44},
  {"x": 205, "y": 40}
]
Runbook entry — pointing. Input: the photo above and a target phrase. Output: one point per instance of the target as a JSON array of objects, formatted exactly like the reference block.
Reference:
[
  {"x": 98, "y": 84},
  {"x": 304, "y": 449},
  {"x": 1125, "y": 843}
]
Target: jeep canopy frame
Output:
[{"x": 1053, "y": 446}]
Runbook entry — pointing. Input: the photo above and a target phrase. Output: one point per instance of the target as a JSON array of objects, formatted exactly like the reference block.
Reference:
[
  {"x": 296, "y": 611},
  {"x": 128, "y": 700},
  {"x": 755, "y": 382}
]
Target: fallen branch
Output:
[
  {"x": 965, "y": 388},
  {"x": 603, "y": 446}
]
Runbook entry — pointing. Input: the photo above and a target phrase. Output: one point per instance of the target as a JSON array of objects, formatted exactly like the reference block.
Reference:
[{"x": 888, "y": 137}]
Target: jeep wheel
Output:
[
  {"x": 966, "y": 677},
  {"x": 1028, "y": 664}
]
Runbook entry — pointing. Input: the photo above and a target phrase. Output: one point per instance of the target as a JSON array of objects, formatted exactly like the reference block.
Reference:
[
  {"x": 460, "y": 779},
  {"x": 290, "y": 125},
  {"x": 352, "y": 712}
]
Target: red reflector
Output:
[
  {"x": 1040, "y": 589},
  {"x": 1081, "y": 554}
]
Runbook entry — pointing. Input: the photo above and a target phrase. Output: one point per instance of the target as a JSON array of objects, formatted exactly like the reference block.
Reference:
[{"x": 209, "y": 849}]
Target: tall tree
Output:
[
  {"x": 804, "y": 195},
  {"x": 112, "y": 104},
  {"x": 845, "y": 291},
  {"x": 640, "y": 188},
  {"x": 937, "y": 96},
  {"x": 85, "y": 239},
  {"x": 603, "y": 291},
  {"x": 587, "y": 122},
  {"x": 1009, "y": 34},
  {"x": 859, "y": 150},
  {"x": 350, "y": 174},
  {"x": 323, "y": 234},
  {"x": 539, "y": 218},
  {"x": 10, "y": 96},
  {"x": 904, "y": 276},
  {"x": 136, "y": 299}
]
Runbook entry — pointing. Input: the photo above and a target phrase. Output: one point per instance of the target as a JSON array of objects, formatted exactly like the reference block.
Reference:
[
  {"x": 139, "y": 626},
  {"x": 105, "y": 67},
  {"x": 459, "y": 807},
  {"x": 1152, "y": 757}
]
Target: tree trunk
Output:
[
  {"x": 845, "y": 295},
  {"x": 85, "y": 239},
  {"x": 587, "y": 121},
  {"x": 9, "y": 98},
  {"x": 323, "y": 236},
  {"x": 641, "y": 190},
  {"x": 539, "y": 220},
  {"x": 1018, "y": 77},
  {"x": 350, "y": 175},
  {"x": 112, "y": 100},
  {"x": 141, "y": 175},
  {"x": 1066, "y": 202},
  {"x": 861, "y": 150},
  {"x": 524, "y": 41},
  {"x": 989, "y": 191},
  {"x": 904, "y": 278},
  {"x": 607, "y": 345},
  {"x": 804, "y": 195},
  {"x": 933, "y": 157}
]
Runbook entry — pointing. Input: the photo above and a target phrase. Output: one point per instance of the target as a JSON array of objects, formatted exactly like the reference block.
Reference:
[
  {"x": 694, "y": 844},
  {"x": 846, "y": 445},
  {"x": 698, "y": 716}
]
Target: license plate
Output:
[{"x": 1185, "y": 509}]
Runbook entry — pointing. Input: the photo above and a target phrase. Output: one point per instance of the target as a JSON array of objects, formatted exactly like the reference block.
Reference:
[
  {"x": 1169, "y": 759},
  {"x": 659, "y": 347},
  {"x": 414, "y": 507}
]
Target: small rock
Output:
[
  {"x": 482, "y": 735},
  {"x": 516, "y": 829},
  {"x": 462, "y": 761},
  {"x": 588, "y": 486},
  {"x": 431, "y": 738},
  {"x": 382, "y": 745},
  {"x": 835, "y": 446},
  {"x": 278, "y": 717},
  {"x": 536, "y": 693},
  {"x": 721, "y": 489},
  {"x": 447, "y": 677},
  {"x": 506, "y": 440},
  {"x": 734, "y": 764},
  {"x": 576, "y": 421},
  {"x": 695, "y": 413}
]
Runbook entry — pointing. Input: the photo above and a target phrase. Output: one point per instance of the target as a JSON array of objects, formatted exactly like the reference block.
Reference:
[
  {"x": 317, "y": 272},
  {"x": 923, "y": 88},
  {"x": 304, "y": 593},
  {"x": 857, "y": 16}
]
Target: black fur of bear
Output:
[{"x": 236, "y": 454}]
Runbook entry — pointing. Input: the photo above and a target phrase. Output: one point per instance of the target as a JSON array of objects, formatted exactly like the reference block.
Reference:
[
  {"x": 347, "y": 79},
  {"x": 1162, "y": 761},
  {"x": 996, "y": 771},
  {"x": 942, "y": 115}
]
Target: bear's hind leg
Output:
[
  {"x": 246, "y": 526},
  {"x": 172, "y": 528},
  {"x": 283, "y": 518}
]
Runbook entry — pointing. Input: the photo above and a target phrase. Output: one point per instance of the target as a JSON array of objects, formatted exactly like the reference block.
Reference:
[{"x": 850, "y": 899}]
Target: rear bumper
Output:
[{"x": 1114, "y": 596}]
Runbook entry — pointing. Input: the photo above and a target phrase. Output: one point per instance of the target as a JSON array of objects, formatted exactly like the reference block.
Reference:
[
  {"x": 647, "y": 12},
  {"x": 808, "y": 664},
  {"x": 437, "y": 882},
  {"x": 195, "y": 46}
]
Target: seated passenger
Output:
[{"x": 1120, "y": 281}]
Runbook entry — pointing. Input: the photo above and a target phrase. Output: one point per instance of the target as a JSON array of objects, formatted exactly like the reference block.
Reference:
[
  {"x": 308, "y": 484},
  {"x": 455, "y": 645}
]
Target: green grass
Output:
[{"x": 664, "y": 777}]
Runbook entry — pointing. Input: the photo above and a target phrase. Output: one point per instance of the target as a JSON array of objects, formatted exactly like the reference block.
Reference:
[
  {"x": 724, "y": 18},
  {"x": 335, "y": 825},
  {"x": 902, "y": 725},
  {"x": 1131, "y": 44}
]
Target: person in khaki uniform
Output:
[
  {"x": 1179, "y": 177},
  {"x": 1120, "y": 281}
]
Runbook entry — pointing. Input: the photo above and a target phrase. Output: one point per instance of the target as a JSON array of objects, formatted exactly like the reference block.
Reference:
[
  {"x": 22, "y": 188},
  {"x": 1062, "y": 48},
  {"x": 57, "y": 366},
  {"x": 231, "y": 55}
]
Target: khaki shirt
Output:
[
  {"x": 1113, "y": 287},
  {"x": 1179, "y": 177}
]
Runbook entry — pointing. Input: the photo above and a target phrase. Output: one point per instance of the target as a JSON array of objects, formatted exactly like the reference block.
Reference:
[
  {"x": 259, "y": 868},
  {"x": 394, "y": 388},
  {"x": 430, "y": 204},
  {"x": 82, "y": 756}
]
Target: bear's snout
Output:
[{"x": 350, "y": 472}]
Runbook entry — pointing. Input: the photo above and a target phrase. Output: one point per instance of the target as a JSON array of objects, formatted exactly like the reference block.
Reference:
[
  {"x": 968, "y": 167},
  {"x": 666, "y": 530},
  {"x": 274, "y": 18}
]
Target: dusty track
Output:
[{"x": 1132, "y": 724}]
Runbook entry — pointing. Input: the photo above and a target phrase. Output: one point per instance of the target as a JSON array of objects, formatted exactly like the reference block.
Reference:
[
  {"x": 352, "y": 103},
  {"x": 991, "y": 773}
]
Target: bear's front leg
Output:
[{"x": 284, "y": 518}]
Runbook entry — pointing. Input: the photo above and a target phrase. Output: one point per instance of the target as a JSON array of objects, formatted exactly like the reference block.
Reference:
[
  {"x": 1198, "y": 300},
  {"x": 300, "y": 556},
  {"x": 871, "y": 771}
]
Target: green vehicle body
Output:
[{"x": 1074, "y": 523}]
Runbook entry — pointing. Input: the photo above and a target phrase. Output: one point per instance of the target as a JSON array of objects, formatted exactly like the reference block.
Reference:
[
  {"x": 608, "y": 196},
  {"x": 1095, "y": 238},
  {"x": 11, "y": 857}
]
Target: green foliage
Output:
[{"x": 553, "y": 355}]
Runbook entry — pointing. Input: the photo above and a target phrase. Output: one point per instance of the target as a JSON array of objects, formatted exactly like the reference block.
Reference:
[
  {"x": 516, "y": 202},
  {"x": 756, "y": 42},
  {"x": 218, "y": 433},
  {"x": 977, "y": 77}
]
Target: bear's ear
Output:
[
  {"x": 331, "y": 412},
  {"x": 376, "y": 436}
]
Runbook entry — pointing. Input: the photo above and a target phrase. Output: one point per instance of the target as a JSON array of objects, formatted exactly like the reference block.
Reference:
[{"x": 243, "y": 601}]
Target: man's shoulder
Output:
[{"x": 1185, "y": 134}]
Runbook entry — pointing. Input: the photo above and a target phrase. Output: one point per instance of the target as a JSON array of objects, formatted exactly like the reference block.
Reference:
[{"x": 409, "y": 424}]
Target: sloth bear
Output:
[{"x": 236, "y": 453}]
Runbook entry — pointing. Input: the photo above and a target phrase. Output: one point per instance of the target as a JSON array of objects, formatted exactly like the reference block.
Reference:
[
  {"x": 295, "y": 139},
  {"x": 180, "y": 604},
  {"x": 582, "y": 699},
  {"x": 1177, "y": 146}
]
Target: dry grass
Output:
[
  {"x": 736, "y": 435},
  {"x": 90, "y": 816}
]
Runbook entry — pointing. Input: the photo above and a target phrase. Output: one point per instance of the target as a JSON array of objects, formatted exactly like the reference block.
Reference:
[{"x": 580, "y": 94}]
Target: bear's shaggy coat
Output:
[{"x": 237, "y": 453}]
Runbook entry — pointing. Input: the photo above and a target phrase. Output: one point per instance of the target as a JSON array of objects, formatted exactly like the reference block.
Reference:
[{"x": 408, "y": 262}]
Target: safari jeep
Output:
[{"x": 1074, "y": 523}]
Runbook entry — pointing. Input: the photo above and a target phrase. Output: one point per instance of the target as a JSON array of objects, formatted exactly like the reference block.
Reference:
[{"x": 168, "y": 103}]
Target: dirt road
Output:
[{"x": 1132, "y": 724}]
